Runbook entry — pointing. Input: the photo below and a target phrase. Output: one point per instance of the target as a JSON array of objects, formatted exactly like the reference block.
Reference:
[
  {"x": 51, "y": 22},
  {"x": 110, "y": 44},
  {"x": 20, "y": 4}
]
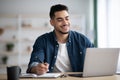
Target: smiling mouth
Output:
[{"x": 65, "y": 26}]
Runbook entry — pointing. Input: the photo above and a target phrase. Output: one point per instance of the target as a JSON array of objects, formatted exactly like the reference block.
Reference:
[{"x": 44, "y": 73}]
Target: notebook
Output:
[
  {"x": 100, "y": 61},
  {"x": 46, "y": 75}
]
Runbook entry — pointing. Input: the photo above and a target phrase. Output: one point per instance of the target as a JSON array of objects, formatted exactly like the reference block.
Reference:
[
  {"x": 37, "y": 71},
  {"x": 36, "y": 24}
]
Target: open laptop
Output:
[{"x": 100, "y": 62}]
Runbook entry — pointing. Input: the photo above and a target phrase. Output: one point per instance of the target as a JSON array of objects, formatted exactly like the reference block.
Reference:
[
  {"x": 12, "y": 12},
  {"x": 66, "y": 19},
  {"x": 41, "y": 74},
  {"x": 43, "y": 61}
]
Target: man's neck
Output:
[{"x": 62, "y": 38}]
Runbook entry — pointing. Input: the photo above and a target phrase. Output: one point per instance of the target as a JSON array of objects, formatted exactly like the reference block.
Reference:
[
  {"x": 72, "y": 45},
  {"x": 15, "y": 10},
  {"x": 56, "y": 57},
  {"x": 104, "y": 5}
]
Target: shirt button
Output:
[
  {"x": 57, "y": 45},
  {"x": 54, "y": 56},
  {"x": 51, "y": 67},
  {"x": 80, "y": 52}
]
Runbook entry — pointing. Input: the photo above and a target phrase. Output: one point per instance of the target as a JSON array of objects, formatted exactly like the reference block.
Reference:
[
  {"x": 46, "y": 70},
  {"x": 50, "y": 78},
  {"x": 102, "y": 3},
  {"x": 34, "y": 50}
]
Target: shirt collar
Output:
[{"x": 69, "y": 37}]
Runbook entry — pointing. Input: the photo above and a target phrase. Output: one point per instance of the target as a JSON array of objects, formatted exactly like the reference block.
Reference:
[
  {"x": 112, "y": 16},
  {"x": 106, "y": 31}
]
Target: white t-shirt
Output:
[{"x": 62, "y": 62}]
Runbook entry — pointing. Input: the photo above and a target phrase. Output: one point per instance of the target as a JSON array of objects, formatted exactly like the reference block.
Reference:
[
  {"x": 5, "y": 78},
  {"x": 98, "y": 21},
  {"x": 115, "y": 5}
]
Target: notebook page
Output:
[{"x": 46, "y": 75}]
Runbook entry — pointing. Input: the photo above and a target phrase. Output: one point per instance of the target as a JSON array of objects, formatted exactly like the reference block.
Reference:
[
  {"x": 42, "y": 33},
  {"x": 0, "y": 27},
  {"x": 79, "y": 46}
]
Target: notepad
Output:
[{"x": 46, "y": 75}]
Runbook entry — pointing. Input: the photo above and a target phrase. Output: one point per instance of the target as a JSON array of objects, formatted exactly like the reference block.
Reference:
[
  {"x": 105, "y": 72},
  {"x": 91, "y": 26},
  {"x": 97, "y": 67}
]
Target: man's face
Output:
[{"x": 61, "y": 22}]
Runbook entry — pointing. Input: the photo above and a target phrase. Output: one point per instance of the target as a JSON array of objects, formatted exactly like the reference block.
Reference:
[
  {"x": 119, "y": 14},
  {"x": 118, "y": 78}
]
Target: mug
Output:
[{"x": 13, "y": 72}]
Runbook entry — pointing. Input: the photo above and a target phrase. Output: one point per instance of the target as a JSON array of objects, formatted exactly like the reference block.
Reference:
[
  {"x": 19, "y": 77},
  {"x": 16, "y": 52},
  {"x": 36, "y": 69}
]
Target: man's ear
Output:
[{"x": 51, "y": 22}]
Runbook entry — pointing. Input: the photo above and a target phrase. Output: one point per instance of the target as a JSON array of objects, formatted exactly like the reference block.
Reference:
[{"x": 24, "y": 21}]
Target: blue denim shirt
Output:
[{"x": 46, "y": 47}]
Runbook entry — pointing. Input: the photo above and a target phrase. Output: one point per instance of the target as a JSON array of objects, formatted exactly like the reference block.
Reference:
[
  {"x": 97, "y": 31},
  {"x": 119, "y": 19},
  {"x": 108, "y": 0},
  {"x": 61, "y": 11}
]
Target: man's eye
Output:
[
  {"x": 67, "y": 19},
  {"x": 59, "y": 19}
]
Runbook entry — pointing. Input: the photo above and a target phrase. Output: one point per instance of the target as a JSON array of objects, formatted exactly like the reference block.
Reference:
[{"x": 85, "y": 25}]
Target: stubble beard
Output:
[{"x": 63, "y": 32}]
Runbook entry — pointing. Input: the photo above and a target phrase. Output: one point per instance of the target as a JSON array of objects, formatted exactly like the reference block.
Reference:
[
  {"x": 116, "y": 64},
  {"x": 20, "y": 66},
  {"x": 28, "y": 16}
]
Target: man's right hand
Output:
[{"x": 41, "y": 68}]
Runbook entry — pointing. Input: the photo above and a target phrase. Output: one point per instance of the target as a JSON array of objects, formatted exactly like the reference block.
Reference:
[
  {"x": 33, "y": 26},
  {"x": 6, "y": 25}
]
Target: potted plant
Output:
[
  {"x": 4, "y": 59},
  {"x": 9, "y": 46}
]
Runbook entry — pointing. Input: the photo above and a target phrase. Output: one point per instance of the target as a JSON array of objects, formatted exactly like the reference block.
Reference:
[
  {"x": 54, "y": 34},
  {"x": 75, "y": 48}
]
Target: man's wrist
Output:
[
  {"x": 34, "y": 64},
  {"x": 31, "y": 66}
]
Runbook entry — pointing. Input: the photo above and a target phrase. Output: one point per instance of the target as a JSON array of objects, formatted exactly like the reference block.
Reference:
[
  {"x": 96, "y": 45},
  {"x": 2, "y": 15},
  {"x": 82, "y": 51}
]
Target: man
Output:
[{"x": 61, "y": 50}]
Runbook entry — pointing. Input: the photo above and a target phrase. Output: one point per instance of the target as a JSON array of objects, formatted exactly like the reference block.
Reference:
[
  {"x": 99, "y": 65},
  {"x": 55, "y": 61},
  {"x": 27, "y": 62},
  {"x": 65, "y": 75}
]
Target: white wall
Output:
[
  {"x": 81, "y": 7},
  {"x": 41, "y": 6}
]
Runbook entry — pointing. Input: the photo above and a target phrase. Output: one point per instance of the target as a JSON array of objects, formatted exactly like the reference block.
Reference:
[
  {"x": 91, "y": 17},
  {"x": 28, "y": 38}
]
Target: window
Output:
[{"x": 109, "y": 24}]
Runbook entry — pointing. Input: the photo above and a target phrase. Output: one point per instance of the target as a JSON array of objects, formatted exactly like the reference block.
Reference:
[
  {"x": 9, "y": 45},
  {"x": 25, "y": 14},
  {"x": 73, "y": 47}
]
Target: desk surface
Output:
[{"x": 114, "y": 77}]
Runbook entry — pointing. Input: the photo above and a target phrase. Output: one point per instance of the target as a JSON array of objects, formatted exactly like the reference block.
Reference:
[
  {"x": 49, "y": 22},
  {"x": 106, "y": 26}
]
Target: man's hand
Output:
[{"x": 41, "y": 68}]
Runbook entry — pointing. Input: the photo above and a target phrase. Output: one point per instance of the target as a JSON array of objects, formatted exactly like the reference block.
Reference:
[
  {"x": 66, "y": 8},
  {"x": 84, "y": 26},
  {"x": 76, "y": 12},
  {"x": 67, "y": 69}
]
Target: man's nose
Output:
[{"x": 65, "y": 22}]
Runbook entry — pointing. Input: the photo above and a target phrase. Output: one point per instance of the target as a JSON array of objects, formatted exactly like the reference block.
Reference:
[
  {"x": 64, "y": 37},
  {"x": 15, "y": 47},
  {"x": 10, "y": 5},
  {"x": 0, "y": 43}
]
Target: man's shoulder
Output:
[
  {"x": 81, "y": 38},
  {"x": 78, "y": 36},
  {"x": 75, "y": 33},
  {"x": 45, "y": 35}
]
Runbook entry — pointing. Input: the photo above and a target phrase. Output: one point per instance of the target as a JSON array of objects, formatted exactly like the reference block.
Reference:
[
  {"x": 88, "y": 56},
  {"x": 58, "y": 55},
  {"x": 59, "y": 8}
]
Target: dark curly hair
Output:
[{"x": 55, "y": 8}]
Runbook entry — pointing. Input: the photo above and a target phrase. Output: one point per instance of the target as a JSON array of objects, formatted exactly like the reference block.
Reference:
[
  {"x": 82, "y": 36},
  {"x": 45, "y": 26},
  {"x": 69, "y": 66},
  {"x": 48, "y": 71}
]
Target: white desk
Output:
[{"x": 114, "y": 77}]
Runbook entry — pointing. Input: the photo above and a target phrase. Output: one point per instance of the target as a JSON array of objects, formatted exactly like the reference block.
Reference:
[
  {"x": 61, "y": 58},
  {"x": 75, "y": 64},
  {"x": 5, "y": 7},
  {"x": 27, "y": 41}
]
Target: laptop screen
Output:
[{"x": 100, "y": 61}]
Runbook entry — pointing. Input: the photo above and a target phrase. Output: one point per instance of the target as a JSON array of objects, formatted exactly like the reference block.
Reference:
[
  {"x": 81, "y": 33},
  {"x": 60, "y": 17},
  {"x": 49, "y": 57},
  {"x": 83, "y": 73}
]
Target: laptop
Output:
[{"x": 100, "y": 62}]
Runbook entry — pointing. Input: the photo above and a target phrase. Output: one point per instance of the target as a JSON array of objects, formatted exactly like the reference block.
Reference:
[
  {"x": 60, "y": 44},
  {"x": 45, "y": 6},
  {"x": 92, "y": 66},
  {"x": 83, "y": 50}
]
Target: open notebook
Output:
[{"x": 46, "y": 75}]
